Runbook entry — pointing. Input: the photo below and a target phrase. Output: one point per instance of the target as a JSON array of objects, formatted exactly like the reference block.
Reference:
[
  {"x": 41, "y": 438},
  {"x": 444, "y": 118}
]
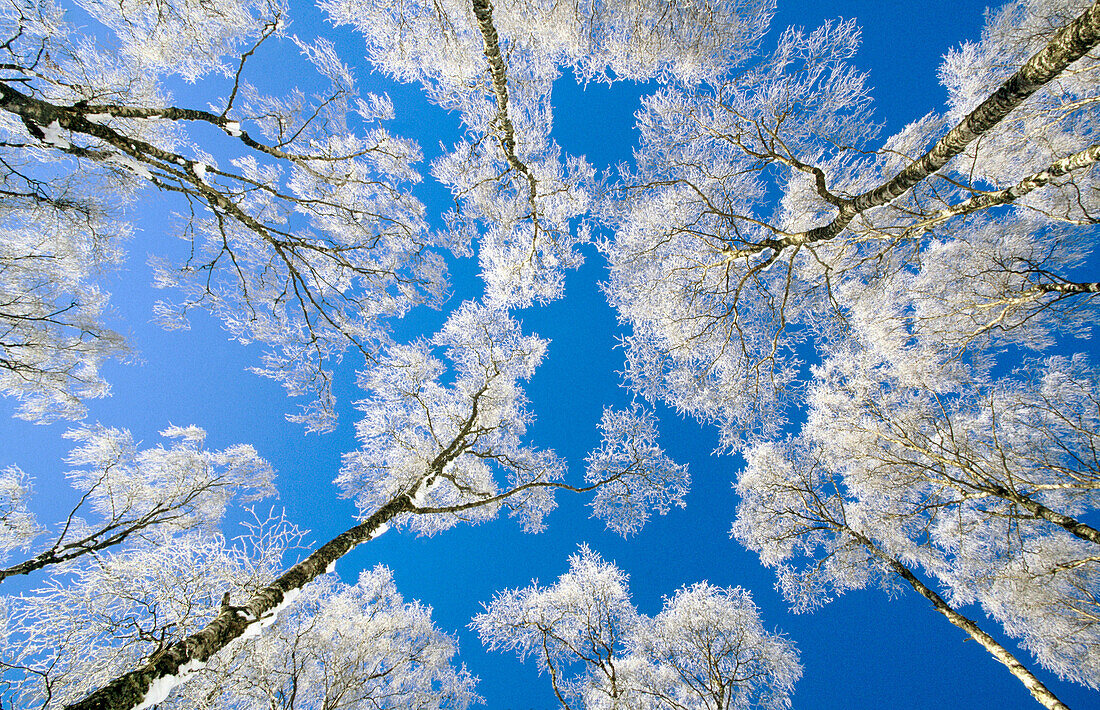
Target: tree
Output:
[
  {"x": 760, "y": 228},
  {"x": 107, "y": 126},
  {"x": 303, "y": 235},
  {"x": 341, "y": 646},
  {"x": 705, "y": 649},
  {"x": 133, "y": 493},
  {"x": 793, "y": 506},
  {"x": 721, "y": 291},
  {"x": 431, "y": 456},
  {"x": 899, "y": 266},
  {"x": 987, "y": 488},
  {"x": 1025, "y": 443}
]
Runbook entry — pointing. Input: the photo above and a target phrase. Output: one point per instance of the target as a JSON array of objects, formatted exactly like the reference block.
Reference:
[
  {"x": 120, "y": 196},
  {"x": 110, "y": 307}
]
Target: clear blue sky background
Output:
[{"x": 863, "y": 651}]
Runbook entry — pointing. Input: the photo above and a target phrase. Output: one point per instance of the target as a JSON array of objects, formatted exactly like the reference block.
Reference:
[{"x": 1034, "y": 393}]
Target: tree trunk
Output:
[
  {"x": 1078, "y": 161},
  {"x": 483, "y": 12}
]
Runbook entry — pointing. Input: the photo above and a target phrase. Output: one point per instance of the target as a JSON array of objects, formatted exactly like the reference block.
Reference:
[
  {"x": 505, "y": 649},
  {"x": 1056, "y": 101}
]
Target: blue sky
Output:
[{"x": 862, "y": 651}]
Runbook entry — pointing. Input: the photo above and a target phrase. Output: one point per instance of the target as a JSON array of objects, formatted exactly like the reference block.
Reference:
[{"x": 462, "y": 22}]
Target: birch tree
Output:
[
  {"x": 989, "y": 487},
  {"x": 302, "y": 233},
  {"x": 915, "y": 459},
  {"x": 82, "y": 625},
  {"x": 432, "y": 455},
  {"x": 921, "y": 257},
  {"x": 706, "y": 649},
  {"x": 801, "y": 518},
  {"x": 341, "y": 646},
  {"x": 721, "y": 290}
]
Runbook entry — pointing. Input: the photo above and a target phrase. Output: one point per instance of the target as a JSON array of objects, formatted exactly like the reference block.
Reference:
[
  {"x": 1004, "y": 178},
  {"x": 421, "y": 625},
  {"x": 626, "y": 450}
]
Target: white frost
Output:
[
  {"x": 52, "y": 134},
  {"x": 127, "y": 162},
  {"x": 163, "y": 685},
  {"x": 98, "y": 118},
  {"x": 255, "y": 627},
  {"x": 331, "y": 567},
  {"x": 379, "y": 530},
  {"x": 289, "y": 598},
  {"x": 200, "y": 171},
  {"x": 233, "y": 128},
  {"x": 421, "y": 497},
  {"x": 251, "y": 631}
]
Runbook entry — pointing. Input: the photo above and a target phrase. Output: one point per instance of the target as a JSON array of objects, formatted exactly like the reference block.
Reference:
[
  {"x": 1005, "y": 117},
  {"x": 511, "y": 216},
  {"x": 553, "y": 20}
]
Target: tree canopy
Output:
[{"x": 811, "y": 352}]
